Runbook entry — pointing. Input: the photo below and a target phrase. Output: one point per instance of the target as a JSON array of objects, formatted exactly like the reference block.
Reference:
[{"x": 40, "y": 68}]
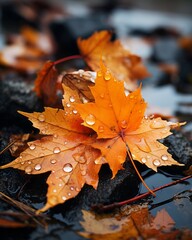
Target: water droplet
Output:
[
  {"x": 37, "y": 167},
  {"x": 146, "y": 117},
  {"x": 164, "y": 157},
  {"x": 131, "y": 96},
  {"x": 52, "y": 200},
  {"x": 72, "y": 99},
  {"x": 29, "y": 162},
  {"x": 102, "y": 95},
  {"x": 64, "y": 198},
  {"x": 100, "y": 129},
  {"x": 68, "y": 168},
  {"x": 77, "y": 189},
  {"x": 79, "y": 158},
  {"x": 20, "y": 157},
  {"x": 69, "y": 194},
  {"x": 53, "y": 161},
  {"x": 41, "y": 117},
  {"x": 124, "y": 124},
  {"x": 143, "y": 160},
  {"x": 133, "y": 156},
  {"x": 156, "y": 124},
  {"x": 83, "y": 173},
  {"x": 60, "y": 184},
  {"x": 22, "y": 163},
  {"x": 68, "y": 105},
  {"x": 28, "y": 170},
  {"x": 107, "y": 76},
  {"x": 99, "y": 73},
  {"x": 143, "y": 146},
  {"x": 75, "y": 111},
  {"x": 90, "y": 119},
  {"x": 55, "y": 136},
  {"x": 151, "y": 116},
  {"x": 72, "y": 188},
  {"x": 54, "y": 190},
  {"x": 32, "y": 146},
  {"x": 65, "y": 143},
  {"x": 156, "y": 162},
  {"x": 56, "y": 150}
]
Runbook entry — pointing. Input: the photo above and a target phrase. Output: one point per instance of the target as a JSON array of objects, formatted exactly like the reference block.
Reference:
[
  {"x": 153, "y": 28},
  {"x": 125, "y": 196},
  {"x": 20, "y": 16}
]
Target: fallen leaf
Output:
[
  {"x": 27, "y": 51},
  {"x": 121, "y": 126},
  {"x": 19, "y": 144},
  {"x": 136, "y": 222},
  {"x": 163, "y": 221},
  {"x": 37, "y": 39},
  {"x": 80, "y": 81},
  {"x": 46, "y": 85},
  {"x": 21, "y": 57},
  {"x": 83, "y": 136},
  {"x": 124, "y": 65}
]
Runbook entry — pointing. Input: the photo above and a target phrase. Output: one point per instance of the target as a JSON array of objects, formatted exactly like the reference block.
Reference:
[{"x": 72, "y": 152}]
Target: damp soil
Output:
[{"x": 170, "y": 96}]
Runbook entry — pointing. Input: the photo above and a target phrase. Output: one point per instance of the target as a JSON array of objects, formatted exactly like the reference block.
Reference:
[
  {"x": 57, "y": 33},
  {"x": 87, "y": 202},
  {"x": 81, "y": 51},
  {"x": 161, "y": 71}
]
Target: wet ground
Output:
[{"x": 168, "y": 92}]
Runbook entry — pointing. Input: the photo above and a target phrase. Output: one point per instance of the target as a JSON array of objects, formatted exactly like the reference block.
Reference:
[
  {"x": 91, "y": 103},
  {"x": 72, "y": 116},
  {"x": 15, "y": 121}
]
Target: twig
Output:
[
  {"x": 67, "y": 59},
  {"x": 139, "y": 197}
]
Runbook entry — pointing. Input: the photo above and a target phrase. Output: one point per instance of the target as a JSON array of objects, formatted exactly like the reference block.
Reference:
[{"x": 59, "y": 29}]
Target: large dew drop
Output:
[
  {"x": 32, "y": 146},
  {"x": 90, "y": 119},
  {"x": 164, "y": 157},
  {"x": 143, "y": 160},
  {"x": 41, "y": 117},
  {"x": 37, "y": 167},
  {"x": 143, "y": 146},
  {"x": 72, "y": 99},
  {"x": 53, "y": 161},
  {"x": 56, "y": 150},
  {"x": 28, "y": 170},
  {"x": 156, "y": 124},
  {"x": 124, "y": 124},
  {"x": 53, "y": 200},
  {"x": 107, "y": 76},
  {"x": 67, "y": 168},
  {"x": 156, "y": 162},
  {"x": 100, "y": 129}
]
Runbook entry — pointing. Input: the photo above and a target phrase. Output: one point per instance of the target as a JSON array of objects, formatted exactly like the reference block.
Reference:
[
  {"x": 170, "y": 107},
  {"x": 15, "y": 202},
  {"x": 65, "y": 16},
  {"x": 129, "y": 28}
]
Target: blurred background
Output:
[{"x": 158, "y": 31}]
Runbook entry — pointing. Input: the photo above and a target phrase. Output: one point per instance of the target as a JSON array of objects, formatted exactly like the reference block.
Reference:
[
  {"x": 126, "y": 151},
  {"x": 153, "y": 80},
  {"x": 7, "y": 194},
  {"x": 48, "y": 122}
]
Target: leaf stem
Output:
[
  {"x": 139, "y": 197},
  {"x": 67, "y": 59},
  {"x": 139, "y": 175}
]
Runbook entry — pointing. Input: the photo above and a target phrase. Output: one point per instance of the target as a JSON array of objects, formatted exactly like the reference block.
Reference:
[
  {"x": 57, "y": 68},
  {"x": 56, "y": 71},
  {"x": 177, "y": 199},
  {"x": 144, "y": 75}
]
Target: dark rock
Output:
[
  {"x": 68, "y": 30},
  {"x": 17, "y": 94},
  {"x": 180, "y": 148},
  {"x": 184, "y": 60},
  {"x": 165, "y": 50}
]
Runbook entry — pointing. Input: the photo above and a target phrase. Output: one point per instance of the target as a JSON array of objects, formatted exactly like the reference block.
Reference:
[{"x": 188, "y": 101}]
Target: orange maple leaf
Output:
[
  {"x": 74, "y": 153},
  {"x": 124, "y": 65},
  {"x": 121, "y": 126}
]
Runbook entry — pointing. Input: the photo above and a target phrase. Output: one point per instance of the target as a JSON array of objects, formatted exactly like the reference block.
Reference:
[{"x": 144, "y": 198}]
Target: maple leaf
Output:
[
  {"x": 64, "y": 152},
  {"x": 134, "y": 222},
  {"x": 123, "y": 64},
  {"x": 121, "y": 126},
  {"x": 80, "y": 81},
  {"x": 46, "y": 85}
]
